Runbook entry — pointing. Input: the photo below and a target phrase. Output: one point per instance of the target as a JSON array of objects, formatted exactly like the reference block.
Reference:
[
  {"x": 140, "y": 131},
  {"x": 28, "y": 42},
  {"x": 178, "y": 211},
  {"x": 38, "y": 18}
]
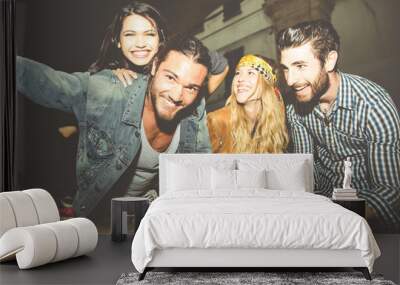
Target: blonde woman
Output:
[{"x": 253, "y": 120}]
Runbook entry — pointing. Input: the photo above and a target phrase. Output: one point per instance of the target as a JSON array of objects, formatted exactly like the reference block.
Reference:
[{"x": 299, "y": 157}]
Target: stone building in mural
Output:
[{"x": 370, "y": 40}]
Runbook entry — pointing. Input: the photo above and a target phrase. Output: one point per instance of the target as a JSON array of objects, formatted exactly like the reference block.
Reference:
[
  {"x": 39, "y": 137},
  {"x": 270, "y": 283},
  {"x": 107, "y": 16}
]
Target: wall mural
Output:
[{"x": 102, "y": 91}]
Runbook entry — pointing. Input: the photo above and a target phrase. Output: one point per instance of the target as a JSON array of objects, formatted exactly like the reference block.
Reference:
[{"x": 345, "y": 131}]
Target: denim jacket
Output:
[{"x": 109, "y": 117}]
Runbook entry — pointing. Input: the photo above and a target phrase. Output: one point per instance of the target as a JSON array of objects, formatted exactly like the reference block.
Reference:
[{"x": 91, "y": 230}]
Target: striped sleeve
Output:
[
  {"x": 300, "y": 139},
  {"x": 383, "y": 134}
]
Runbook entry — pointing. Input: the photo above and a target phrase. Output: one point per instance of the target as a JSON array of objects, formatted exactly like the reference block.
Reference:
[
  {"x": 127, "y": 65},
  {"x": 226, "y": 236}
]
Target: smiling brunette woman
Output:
[
  {"x": 132, "y": 39},
  {"x": 253, "y": 120}
]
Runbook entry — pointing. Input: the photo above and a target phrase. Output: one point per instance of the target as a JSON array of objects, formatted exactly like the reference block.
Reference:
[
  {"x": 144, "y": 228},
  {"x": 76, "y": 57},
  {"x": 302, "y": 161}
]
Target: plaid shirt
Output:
[{"x": 364, "y": 125}]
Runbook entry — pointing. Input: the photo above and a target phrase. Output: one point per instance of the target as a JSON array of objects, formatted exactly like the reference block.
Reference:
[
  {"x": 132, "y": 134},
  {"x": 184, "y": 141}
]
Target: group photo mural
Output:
[{"x": 104, "y": 87}]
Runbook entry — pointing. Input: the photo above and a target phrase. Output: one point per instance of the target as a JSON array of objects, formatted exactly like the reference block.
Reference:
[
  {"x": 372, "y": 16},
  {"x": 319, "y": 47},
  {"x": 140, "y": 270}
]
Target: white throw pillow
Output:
[
  {"x": 251, "y": 179},
  {"x": 184, "y": 177},
  {"x": 223, "y": 179},
  {"x": 282, "y": 174},
  {"x": 292, "y": 179}
]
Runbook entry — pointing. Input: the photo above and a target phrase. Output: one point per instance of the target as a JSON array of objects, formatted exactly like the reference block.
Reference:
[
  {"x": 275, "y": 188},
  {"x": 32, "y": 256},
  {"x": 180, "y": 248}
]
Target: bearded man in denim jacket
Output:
[{"x": 122, "y": 130}]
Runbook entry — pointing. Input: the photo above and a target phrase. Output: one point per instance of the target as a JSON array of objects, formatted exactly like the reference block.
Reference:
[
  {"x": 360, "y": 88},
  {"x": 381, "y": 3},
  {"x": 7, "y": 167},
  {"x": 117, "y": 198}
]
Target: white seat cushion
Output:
[
  {"x": 40, "y": 244},
  {"x": 66, "y": 237},
  {"x": 31, "y": 232},
  {"x": 87, "y": 235},
  {"x": 45, "y": 205},
  {"x": 32, "y": 246},
  {"x": 26, "y": 208},
  {"x": 7, "y": 220},
  {"x": 23, "y": 208}
]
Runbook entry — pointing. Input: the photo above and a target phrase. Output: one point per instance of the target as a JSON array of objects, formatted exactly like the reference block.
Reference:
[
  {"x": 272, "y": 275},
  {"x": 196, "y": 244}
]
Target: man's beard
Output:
[
  {"x": 168, "y": 124},
  {"x": 318, "y": 88},
  {"x": 165, "y": 123}
]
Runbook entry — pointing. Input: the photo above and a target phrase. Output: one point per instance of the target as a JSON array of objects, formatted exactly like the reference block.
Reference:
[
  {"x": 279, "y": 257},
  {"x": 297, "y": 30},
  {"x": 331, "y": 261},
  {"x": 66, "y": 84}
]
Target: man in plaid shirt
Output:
[{"x": 337, "y": 116}]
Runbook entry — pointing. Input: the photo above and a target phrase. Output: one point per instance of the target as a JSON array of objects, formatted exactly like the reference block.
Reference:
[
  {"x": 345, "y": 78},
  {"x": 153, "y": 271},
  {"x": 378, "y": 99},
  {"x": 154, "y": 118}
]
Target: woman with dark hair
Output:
[
  {"x": 253, "y": 120},
  {"x": 129, "y": 46},
  {"x": 132, "y": 39}
]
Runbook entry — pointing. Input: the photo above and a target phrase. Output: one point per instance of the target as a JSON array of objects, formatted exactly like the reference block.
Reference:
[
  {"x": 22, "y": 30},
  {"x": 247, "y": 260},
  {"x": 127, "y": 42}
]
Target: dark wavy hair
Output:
[
  {"x": 110, "y": 56},
  {"x": 187, "y": 45},
  {"x": 320, "y": 33}
]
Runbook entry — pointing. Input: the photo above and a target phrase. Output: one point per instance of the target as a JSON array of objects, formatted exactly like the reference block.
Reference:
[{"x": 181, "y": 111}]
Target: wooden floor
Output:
[
  {"x": 110, "y": 259},
  {"x": 103, "y": 266}
]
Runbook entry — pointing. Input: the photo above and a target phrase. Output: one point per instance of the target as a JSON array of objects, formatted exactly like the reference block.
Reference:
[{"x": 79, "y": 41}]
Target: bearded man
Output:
[
  {"x": 336, "y": 116},
  {"x": 123, "y": 130}
]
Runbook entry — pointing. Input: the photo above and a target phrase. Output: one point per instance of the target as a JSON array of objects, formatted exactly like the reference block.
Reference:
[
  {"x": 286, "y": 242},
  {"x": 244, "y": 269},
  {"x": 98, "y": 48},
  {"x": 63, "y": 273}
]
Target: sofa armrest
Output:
[{"x": 41, "y": 244}]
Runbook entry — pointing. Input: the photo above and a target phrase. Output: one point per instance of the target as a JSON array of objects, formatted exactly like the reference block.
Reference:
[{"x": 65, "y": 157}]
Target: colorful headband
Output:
[{"x": 258, "y": 64}]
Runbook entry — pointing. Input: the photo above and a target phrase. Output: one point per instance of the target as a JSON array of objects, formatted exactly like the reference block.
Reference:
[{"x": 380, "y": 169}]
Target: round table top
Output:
[{"x": 130, "y": 199}]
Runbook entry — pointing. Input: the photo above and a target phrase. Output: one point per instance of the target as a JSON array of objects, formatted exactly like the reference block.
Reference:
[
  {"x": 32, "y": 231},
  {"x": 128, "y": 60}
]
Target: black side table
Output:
[
  {"x": 123, "y": 208},
  {"x": 355, "y": 205}
]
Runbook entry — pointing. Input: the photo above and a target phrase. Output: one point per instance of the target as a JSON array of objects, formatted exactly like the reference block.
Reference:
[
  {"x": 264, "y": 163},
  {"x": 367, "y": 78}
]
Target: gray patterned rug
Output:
[{"x": 243, "y": 278}]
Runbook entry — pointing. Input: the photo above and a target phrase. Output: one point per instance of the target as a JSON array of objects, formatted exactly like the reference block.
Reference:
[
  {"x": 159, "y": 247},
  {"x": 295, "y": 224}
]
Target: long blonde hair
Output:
[{"x": 269, "y": 133}]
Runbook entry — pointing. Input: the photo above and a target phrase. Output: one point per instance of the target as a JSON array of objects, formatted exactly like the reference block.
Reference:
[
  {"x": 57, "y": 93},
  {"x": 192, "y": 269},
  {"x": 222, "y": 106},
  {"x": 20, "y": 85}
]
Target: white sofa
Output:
[{"x": 31, "y": 231}]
